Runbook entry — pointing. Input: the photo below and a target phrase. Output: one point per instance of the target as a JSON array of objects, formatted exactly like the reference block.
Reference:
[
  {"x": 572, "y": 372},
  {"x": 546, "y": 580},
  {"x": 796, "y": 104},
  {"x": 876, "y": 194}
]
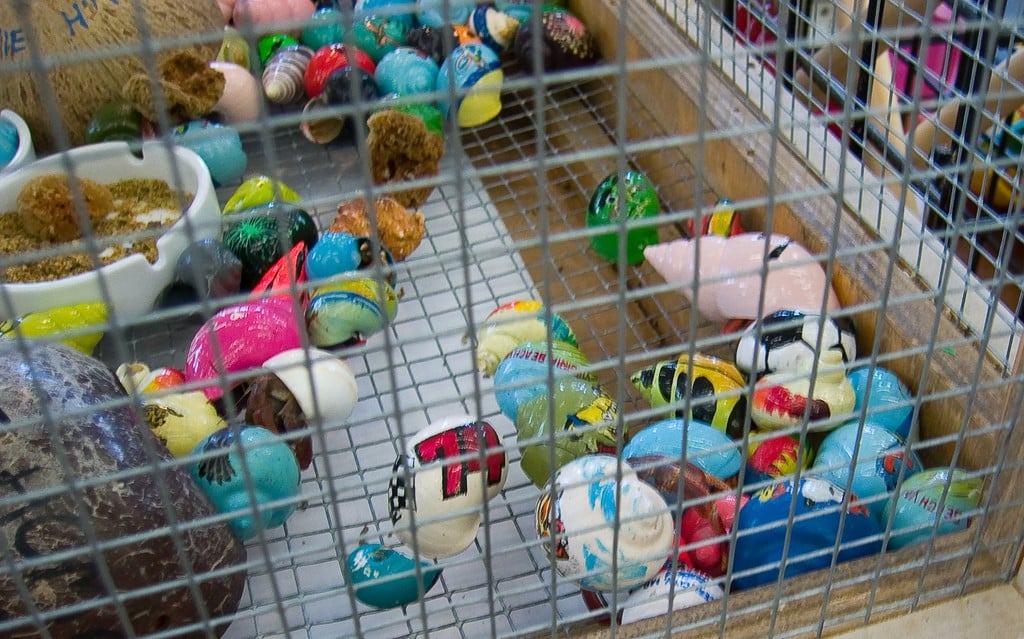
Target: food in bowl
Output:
[{"x": 129, "y": 278}]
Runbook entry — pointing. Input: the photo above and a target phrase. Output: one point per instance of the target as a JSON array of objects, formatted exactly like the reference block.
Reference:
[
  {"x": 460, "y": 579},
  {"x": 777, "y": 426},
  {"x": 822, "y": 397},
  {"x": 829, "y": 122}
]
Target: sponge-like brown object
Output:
[
  {"x": 403, "y": 148},
  {"x": 46, "y": 206},
  {"x": 190, "y": 86},
  {"x": 401, "y": 231}
]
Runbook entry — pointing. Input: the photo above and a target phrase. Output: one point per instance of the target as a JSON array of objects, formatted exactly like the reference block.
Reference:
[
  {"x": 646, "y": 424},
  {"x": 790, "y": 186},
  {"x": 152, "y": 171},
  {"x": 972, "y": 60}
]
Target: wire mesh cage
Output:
[{"x": 468, "y": 369}]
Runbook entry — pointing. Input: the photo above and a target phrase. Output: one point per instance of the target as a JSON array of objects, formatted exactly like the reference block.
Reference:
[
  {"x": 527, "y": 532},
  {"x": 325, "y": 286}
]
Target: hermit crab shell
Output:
[
  {"x": 730, "y": 274},
  {"x": 783, "y": 401},
  {"x": 590, "y": 513},
  {"x": 182, "y": 420},
  {"x": 322, "y": 384},
  {"x": 496, "y": 29},
  {"x": 437, "y": 479},
  {"x": 512, "y": 324},
  {"x": 240, "y": 101},
  {"x": 706, "y": 447},
  {"x": 284, "y": 76}
]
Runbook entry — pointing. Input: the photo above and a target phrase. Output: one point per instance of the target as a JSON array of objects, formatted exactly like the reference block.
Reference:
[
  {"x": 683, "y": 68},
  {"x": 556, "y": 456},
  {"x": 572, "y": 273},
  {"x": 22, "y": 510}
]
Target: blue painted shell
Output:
[
  {"x": 386, "y": 578},
  {"x": 880, "y": 455},
  {"x": 523, "y": 374},
  {"x": 915, "y": 511},
  {"x": 708, "y": 448},
  {"x": 889, "y": 403},
  {"x": 762, "y": 531},
  {"x": 8, "y": 142},
  {"x": 270, "y": 469},
  {"x": 219, "y": 146}
]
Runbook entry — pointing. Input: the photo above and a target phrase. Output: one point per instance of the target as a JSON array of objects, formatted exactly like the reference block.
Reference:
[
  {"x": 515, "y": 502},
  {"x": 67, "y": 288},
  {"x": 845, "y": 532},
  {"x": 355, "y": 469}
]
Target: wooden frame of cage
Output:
[{"x": 739, "y": 166}]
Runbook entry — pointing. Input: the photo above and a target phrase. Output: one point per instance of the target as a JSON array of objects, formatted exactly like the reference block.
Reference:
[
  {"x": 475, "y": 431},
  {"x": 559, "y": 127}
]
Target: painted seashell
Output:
[
  {"x": 881, "y": 457},
  {"x": 809, "y": 517},
  {"x": 235, "y": 49},
  {"x": 785, "y": 340},
  {"x": 428, "y": 113},
  {"x": 219, "y": 146},
  {"x": 723, "y": 221},
  {"x": 322, "y": 384},
  {"x": 771, "y": 457},
  {"x": 438, "y": 13},
  {"x": 258, "y": 190},
  {"x": 69, "y": 325},
  {"x": 270, "y": 472},
  {"x": 209, "y": 269},
  {"x": 327, "y": 60},
  {"x": 687, "y": 587},
  {"x": 116, "y": 120},
  {"x": 324, "y": 27},
  {"x": 431, "y": 40},
  {"x": 240, "y": 101},
  {"x": 401, "y": 10},
  {"x": 321, "y": 122},
  {"x": 716, "y": 394},
  {"x": 707, "y": 519},
  {"x": 386, "y": 578},
  {"x": 523, "y": 374},
  {"x": 400, "y": 229},
  {"x": 566, "y": 43},
  {"x": 885, "y": 400},
  {"x": 436, "y": 477},
  {"x": 379, "y": 34},
  {"x": 584, "y": 423},
  {"x": 136, "y": 377},
  {"x": 335, "y": 254},
  {"x": 8, "y": 142},
  {"x": 269, "y": 44},
  {"x": 511, "y": 324},
  {"x": 641, "y": 201},
  {"x": 338, "y": 87},
  {"x": 239, "y": 338},
  {"x": 256, "y": 239},
  {"x": 521, "y": 10},
  {"x": 920, "y": 509},
  {"x": 707, "y": 447},
  {"x": 786, "y": 400},
  {"x": 495, "y": 28},
  {"x": 730, "y": 275},
  {"x": 476, "y": 72},
  {"x": 286, "y": 276},
  {"x": 348, "y": 312},
  {"x": 591, "y": 511},
  {"x": 302, "y": 389},
  {"x": 406, "y": 71},
  {"x": 283, "y": 77},
  {"x": 180, "y": 421}
]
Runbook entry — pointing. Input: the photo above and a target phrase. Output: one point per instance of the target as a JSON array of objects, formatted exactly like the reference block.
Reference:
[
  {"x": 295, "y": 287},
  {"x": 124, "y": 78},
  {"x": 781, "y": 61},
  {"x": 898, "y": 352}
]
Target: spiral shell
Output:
[{"x": 284, "y": 76}]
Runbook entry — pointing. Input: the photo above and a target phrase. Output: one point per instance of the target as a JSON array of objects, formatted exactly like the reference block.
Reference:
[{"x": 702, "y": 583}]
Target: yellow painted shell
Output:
[
  {"x": 512, "y": 324},
  {"x": 182, "y": 420},
  {"x": 66, "y": 324}
]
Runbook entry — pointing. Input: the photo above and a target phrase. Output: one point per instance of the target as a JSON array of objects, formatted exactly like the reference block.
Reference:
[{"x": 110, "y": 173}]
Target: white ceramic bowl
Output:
[
  {"x": 132, "y": 283},
  {"x": 26, "y": 152}
]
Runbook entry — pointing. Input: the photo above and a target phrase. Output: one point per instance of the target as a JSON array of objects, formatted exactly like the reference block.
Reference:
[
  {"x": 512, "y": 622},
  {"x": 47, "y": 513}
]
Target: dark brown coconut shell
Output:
[{"x": 96, "y": 442}]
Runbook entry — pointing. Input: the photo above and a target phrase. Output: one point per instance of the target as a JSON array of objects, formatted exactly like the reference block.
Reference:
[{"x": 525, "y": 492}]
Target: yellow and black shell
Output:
[{"x": 715, "y": 395}]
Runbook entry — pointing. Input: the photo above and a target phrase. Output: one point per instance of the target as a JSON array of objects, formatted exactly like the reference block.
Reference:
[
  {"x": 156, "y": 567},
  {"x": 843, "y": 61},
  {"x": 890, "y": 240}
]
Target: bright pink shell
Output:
[{"x": 241, "y": 337}]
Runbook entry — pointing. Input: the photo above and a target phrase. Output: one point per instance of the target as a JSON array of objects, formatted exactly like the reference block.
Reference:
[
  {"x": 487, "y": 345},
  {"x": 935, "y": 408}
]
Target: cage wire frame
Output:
[{"x": 505, "y": 222}]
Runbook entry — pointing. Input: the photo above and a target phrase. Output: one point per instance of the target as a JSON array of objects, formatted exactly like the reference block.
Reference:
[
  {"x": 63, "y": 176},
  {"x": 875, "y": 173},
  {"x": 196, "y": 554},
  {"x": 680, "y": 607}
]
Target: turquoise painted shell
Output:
[
  {"x": 8, "y": 142},
  {"x": 348, "y": 312},
  {"x": 270, "y": 470}
]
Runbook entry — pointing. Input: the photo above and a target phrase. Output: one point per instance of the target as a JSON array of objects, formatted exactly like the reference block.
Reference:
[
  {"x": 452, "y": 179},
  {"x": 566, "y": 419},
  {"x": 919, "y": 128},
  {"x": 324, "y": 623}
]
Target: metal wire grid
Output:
[
  {"x": 949, "y": 233},
  {"x": 423, "y": 370}
]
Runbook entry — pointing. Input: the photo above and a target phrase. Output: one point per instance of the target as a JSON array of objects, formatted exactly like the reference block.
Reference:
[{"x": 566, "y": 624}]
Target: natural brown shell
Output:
[
  {"x": 83, "y": 81},
  {"x": 401, "y": 231},
  {"x": 46, "y": 206},
  {"x": 402, "y": 148}
]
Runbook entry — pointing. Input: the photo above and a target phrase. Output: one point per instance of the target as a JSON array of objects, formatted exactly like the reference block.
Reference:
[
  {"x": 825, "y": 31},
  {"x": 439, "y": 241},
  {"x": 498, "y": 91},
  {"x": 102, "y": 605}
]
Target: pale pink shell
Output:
[
  {"x": 240, "y": 101},
  {"x": 239, "y": 338},
  {"x": 283, "y": 78},
  {"x": 730, "y": 278}
]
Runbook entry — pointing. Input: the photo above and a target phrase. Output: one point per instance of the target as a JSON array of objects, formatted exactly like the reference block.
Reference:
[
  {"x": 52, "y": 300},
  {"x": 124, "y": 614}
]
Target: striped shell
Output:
[{"x": 285, "y": 72}]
